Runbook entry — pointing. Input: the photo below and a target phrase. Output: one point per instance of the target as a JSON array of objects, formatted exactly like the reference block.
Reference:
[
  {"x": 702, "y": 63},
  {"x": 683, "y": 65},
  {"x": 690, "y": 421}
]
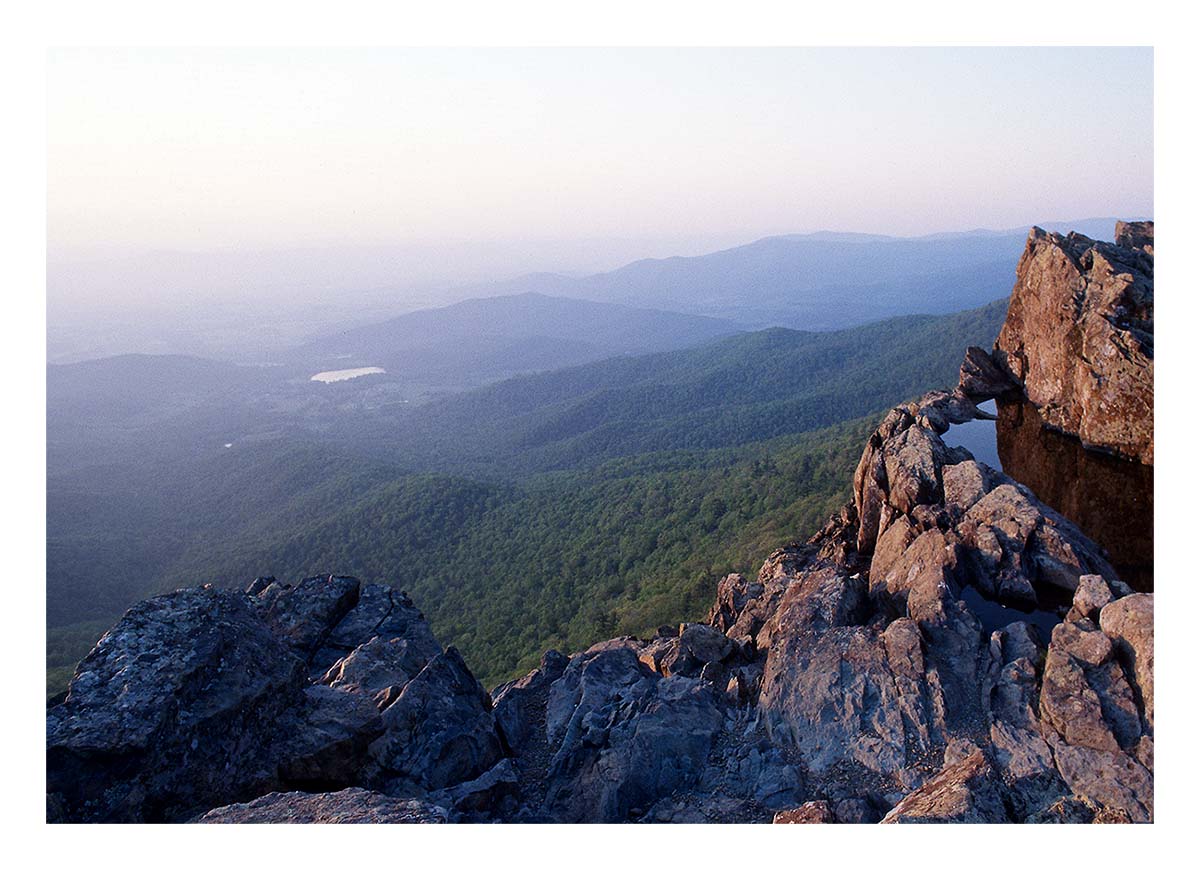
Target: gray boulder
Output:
[
  {"x": 622, "y": 736},
  {"x": 324, "y": 746},
  {"x": 305, "y": 614},
  {"x": 177, "y": 708},
  {"x": 439, "y": 731}
]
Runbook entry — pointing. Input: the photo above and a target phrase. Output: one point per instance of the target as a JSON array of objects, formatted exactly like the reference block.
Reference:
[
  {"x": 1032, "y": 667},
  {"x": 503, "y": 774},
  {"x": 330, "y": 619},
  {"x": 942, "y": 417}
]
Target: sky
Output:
[
  {"x": 238, "y": 150},
  {"x": 200, "y": 200}
]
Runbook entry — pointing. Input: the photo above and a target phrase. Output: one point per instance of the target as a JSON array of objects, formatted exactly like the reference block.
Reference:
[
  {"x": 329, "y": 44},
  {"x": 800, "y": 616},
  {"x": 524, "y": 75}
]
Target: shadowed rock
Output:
[
  {"x": 439, "y": 731},
  {"x": 177, "y": 708},
  {"x": 623, "y": 736},
  {"x": 1109, "y": 498}
]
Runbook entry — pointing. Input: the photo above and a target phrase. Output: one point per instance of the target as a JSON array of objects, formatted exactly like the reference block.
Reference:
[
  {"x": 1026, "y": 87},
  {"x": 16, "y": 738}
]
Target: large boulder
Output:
[
  {"x": 384, "y": 633},
  {"x": 439, "y": 730},
  {"x": 1129, "y": 621},
  {"x": 377, "y": 665},
  {"x": 1079, "y": 336},
  {"x": 324, "y": 745},
  {"x": 1093, "y": 722},
  {"x": 205, "y": 696},
  {"x": 622, "y": 736},
  {"x": 303, "y": 615},
  {"x": 177, "y": 708},
  {"x": 1020, "y": 544},
  {"x": 836, "y": 690},
  {"x": 1085, "y": 696},
  {"x": 1116, "y": 782}
]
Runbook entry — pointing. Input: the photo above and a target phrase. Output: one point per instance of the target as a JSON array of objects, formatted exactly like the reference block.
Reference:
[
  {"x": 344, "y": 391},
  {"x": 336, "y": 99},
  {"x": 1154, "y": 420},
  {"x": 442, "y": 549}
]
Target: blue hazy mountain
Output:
[
  {"x": 487, "y": 339},
  {"x": 820, "y": 280}
]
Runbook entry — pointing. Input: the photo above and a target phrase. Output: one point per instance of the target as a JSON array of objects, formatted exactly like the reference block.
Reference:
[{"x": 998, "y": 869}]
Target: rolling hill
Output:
[
  {"x": 549, "y": 509},
  {"x": 481, "y": 340},
  {"x": 745, "y": 388}
]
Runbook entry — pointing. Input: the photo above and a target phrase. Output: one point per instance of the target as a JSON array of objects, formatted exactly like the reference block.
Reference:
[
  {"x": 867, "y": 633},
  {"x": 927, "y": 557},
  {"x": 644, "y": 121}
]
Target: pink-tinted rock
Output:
[{"x": 1079, "y": 336}]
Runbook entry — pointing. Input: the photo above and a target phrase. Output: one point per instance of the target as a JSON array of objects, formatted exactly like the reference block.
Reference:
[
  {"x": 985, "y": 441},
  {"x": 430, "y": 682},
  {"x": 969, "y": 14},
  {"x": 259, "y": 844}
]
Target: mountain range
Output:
[
  {"x": 501, "y": 423},
  {"x": 815, "y": 281}
]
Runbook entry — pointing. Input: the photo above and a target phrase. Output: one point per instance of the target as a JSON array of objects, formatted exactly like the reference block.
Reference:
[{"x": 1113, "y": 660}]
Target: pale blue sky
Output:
[{"x": 277, "y": 148}]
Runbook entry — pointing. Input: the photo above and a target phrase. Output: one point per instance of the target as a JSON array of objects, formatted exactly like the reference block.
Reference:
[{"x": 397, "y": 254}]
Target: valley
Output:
[{"x": 549, "y": 509}]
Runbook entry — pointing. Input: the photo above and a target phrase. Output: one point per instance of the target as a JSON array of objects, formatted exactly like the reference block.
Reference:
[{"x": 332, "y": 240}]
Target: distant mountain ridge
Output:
[{"x": 824, "y": 280}]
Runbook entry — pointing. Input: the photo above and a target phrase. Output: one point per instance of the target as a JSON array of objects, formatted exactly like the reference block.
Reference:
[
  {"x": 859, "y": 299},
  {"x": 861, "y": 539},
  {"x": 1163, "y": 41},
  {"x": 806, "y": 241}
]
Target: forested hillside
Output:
[
  {"x": 569, "y": 557},
  {"x": 549, "y": 510},
  {"x": 505, "y": 570},
  {"x": 739, "y": 390}
]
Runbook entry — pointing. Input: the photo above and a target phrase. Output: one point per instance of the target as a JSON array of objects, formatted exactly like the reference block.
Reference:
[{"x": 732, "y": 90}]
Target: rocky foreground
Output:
[{"x": 947, "y": 648}]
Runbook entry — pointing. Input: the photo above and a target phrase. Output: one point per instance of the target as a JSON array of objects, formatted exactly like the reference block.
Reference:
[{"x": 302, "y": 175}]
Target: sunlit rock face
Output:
[{"x": 1079, "y": 336}]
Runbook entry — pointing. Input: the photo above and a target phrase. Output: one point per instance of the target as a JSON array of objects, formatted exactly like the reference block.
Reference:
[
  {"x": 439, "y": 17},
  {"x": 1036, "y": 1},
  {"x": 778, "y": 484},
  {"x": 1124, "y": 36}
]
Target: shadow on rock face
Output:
[{"x": 1109, "y": 498}]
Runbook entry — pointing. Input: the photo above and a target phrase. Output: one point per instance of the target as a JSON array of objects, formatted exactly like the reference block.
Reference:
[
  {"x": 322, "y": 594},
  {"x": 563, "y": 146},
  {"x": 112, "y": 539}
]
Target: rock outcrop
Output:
[
  {"x": 946, "y": 649},
  {"x": 1079, "y": 336},
  {"x": 177, "y": 709},
  {"x": 205, "y": 696},
  {"x": 1109, "y": 498},
  {"x": 622, "y": 735}
]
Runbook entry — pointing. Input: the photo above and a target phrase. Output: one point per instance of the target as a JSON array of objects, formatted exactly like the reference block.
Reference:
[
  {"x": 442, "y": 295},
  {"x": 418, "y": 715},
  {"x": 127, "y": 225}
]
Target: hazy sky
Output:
[{"x": 201, "y": 149}]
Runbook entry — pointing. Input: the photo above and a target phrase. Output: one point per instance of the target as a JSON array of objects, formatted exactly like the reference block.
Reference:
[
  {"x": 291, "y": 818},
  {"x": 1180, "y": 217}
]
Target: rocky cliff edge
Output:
[{"x": 947, "y": 648}]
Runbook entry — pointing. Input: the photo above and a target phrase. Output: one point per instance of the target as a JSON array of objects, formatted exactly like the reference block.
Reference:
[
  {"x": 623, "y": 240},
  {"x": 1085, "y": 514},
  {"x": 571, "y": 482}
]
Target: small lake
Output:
[
  {"x": 346, "y": 374},
  {"x": 978, "y": 436}
]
